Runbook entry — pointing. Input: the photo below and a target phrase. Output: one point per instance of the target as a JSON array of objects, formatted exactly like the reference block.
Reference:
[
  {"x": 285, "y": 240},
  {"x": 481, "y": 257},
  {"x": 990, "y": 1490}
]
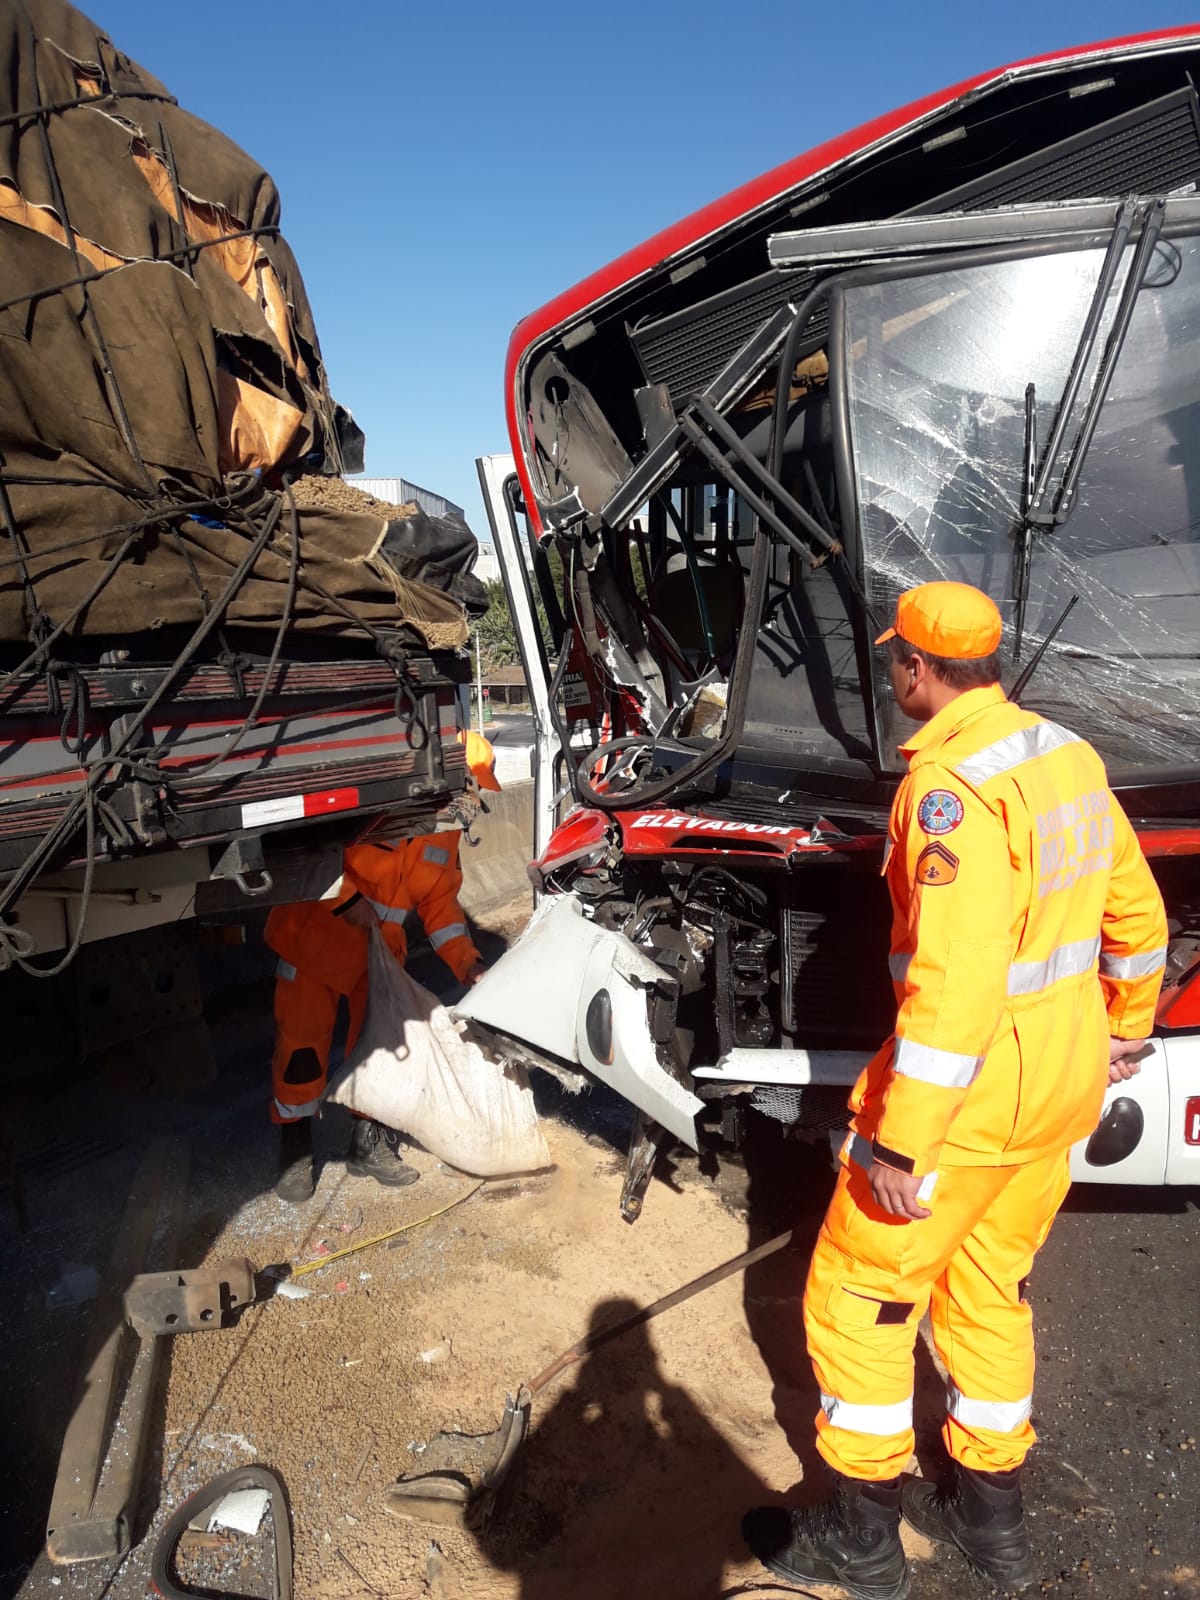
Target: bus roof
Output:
[{"x": 748, "y": 197}]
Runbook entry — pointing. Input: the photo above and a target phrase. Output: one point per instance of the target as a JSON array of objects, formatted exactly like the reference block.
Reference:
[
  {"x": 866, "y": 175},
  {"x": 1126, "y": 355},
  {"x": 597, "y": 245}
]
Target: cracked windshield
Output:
[{"x": 937, "y": 368}]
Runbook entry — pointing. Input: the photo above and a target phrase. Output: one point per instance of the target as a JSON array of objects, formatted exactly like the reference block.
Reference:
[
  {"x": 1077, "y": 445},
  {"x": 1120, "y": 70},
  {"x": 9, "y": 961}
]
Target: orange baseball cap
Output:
[
  {"x": 947, "y": 619},
  {"x": 481, "y": 759}
]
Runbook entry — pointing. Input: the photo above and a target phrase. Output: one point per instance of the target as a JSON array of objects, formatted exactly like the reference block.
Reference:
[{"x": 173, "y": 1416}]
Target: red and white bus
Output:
[{"x": 962, "y": 341}]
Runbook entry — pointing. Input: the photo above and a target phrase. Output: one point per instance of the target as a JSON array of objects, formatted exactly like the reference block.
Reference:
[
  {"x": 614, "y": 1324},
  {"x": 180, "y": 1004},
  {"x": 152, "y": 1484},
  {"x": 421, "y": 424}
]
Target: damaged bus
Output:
[{"x": 961, "y": 342}]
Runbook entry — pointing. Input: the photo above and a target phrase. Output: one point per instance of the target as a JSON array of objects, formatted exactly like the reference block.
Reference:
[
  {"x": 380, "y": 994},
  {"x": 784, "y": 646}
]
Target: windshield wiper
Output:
[
  {"x": 1035, "y": 485},
  {"x": 1151, "y": 228},
  {"x": 1022, "y": 683}
]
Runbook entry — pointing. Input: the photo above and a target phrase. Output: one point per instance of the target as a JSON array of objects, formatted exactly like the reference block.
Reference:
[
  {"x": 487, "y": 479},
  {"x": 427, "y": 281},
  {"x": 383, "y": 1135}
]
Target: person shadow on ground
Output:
[
  {"x": 624, "y": 1487},
  {"x": 789, "y": 1185}
]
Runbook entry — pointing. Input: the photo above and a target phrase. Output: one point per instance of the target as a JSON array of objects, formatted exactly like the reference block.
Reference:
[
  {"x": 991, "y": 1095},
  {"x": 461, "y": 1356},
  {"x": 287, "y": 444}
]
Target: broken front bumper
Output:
[{"x": 582, "y": 994}]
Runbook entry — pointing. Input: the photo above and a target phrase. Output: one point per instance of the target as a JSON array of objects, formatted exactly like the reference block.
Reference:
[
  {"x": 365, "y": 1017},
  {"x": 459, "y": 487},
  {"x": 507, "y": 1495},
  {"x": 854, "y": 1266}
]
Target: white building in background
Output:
[
  {"x": 487, "y": 567},
  {"x": 402, "y": 493}
]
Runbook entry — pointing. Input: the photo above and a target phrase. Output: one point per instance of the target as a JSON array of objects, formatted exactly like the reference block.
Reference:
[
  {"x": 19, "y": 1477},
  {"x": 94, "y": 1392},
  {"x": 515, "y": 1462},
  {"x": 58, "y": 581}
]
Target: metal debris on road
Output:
[
  {"x": 75, "y": 1285},
  {"x": 438, "y": 1352}
]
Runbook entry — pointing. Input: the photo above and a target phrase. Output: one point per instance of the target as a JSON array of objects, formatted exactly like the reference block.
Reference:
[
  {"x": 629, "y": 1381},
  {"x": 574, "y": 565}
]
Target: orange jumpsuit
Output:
[
  {"x": 321, "y": 956},
  {"x": 1026, "y": 930}
]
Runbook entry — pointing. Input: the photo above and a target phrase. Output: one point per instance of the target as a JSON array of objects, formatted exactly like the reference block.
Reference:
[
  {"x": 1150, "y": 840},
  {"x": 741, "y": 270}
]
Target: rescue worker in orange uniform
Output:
[
  {"x": 1028, "y": 946},
  {"x": 322, "y": 948}
]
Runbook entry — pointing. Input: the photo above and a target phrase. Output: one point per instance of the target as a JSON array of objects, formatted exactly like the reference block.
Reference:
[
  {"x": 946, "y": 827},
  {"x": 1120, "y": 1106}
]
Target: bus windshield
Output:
[{"x": 936, "y": 365}]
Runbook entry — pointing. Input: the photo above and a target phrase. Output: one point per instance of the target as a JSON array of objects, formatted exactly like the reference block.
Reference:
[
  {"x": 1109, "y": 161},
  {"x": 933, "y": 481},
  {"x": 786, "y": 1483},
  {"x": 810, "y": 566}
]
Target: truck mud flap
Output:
[{"x": 579, "y": 992}]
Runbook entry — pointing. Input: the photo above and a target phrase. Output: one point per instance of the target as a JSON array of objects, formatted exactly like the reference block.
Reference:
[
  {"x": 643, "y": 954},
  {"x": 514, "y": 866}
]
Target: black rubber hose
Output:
[
  {"x": 66, "y": 826},
  {"x": 739, "y": 685},
  {"x": 285, "y": 621},
  {"x": 735, "y": 712},
  {"x": 783, "y": 382}
]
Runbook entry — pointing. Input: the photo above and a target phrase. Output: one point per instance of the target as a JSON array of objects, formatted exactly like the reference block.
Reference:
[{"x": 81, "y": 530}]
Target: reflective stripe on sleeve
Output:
[
  {"x": 435, "y": 855},
  {"x": 859, "y": 1150},
  {"x": 943, "y": 1067},
  {"x": 1003, "y": 1416},
  {"x": 1143, "y": 966},
  {"x": 387, "y": 913},
  {"x": 456, "y": 930},
  {"x": 879, "y": 1420},
  {"x": 1068, "y": 961},
  {"x": 898, "y": 965},
  {"x": 286, "y": 971},
  {"x": 1014, "y": 751},
  {"x": 307, "y": 1108}
]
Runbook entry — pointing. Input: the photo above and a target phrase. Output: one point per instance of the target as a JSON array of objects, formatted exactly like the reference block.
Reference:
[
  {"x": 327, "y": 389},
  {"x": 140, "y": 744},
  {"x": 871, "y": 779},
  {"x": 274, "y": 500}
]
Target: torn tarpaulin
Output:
[{"x": 160, "y": 358}]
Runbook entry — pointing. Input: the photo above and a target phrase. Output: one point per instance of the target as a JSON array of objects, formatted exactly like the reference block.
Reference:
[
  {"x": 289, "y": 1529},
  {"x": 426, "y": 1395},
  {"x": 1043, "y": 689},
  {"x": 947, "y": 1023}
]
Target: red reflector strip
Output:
[
  {"x": 1191, "y": 1120},
  {"x": 316, "y": 805},
  {"x": 295, "y": 807}
]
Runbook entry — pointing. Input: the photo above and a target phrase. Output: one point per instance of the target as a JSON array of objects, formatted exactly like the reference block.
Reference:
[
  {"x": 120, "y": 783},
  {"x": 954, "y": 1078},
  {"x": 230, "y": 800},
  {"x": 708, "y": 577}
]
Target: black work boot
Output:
[
  {"x": 375, "y": 1153},
  {"x": 295, "y": 1180},
  {"x": 852, "y": 1539},
  {"x": 981, "y": 1513}
]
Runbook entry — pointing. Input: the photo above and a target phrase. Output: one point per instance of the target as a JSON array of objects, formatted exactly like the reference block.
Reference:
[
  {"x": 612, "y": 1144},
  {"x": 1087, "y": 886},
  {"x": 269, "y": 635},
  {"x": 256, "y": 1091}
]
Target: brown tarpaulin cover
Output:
[{"x": 156, "y": 382}]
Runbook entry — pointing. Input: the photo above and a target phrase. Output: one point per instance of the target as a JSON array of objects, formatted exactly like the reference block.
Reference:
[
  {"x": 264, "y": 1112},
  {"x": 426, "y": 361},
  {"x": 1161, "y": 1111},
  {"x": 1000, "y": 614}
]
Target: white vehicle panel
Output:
[
  {"x": 786, "y": 1067},
  {"x": 1147, "y": 1162},
  {"x": 1183, "y": 1062},
  {"x": 540, "y": 992}
]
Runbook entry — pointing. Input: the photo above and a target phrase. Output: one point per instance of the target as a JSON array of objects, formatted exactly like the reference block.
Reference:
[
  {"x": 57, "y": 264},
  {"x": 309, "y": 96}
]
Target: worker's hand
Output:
[
  {"x": 361, "y": 914},
  {"x": 476, "y": 972},
  {"x": 896, "y": 1193},
  {"x": 1124, "y": 1056}
]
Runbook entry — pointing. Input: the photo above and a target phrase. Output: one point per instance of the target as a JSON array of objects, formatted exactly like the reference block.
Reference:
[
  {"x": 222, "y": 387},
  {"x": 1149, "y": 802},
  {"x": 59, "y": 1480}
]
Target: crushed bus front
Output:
[{"x": 732, "y": 450}]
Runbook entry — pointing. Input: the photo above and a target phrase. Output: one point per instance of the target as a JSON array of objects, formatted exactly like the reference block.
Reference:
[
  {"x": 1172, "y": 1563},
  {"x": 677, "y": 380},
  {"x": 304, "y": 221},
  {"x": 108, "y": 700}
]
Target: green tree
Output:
[{"x": 495, "y": 631}]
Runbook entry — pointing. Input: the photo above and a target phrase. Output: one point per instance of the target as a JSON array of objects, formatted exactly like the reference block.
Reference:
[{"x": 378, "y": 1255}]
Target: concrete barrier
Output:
[{"x": 494, "y": 872}]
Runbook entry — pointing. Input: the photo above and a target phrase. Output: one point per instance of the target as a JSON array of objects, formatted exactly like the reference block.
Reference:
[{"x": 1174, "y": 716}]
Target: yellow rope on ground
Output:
[{"x": 365, "y": 1244}]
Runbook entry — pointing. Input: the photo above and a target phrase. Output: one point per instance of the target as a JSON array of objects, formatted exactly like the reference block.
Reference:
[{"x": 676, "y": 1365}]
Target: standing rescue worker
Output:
[
  {"x": 322, "y": 948},
  {"x": 1028, "y": 945}
]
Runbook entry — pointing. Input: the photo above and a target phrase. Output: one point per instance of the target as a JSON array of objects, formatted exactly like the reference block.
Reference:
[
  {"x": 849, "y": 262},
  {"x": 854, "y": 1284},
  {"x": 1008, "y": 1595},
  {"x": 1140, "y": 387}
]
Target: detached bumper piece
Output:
[
  {"x": 584, "y": 996},
  {"x": 101, "y": 1459}
]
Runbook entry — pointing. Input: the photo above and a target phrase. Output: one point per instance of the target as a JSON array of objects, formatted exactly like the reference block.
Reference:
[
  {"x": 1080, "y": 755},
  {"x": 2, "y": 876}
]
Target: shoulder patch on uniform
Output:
[
  {"x": 936, "y": 865},
  {"x": 940, "y": 811}
]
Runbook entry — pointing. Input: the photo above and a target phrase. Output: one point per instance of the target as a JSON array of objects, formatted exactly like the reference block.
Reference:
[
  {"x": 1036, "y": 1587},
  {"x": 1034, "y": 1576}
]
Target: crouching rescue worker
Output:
[
  {"x": 1028, "y": 945},
  {"x": 322, "y": 948}
]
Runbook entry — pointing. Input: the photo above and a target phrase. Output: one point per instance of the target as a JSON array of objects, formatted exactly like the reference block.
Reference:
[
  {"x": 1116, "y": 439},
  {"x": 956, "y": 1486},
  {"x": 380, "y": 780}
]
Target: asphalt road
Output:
[
  {"x": 1115, "y": 1483},
  {"x": 512, "y": 739},
  {"x": 507, "y": 729},
  {"x": 1112, "y": 1489}
]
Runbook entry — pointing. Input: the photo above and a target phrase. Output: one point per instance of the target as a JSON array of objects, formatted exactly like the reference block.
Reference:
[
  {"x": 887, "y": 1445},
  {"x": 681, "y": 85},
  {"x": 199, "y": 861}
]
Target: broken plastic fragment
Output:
[
  {"x": 74, "y": 1286},
  {"x": 293, "y": 1291},
  {"x": 242, "y": 1511}
]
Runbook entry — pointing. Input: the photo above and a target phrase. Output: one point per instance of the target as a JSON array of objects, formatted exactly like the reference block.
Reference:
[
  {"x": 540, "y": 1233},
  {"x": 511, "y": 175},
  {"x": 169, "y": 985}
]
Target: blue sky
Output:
[{"x": 446, "y": 168}]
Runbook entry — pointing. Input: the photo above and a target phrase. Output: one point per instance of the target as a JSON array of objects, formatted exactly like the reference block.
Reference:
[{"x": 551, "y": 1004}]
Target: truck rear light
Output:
[
  {"x": 294, "y": 807},
  {"x": 1191, "y": 1120}
]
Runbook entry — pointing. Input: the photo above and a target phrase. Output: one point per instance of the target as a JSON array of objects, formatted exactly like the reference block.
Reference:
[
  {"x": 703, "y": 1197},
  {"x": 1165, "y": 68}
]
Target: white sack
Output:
[{"x": 412, "y": 1070}]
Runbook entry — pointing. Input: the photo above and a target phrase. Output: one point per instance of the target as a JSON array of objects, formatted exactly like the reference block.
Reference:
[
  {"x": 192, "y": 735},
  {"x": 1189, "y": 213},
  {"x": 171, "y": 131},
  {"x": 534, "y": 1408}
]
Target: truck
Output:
[
  {"x": 958, "y": 342},
  {"x": 219, "y": 663}
]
